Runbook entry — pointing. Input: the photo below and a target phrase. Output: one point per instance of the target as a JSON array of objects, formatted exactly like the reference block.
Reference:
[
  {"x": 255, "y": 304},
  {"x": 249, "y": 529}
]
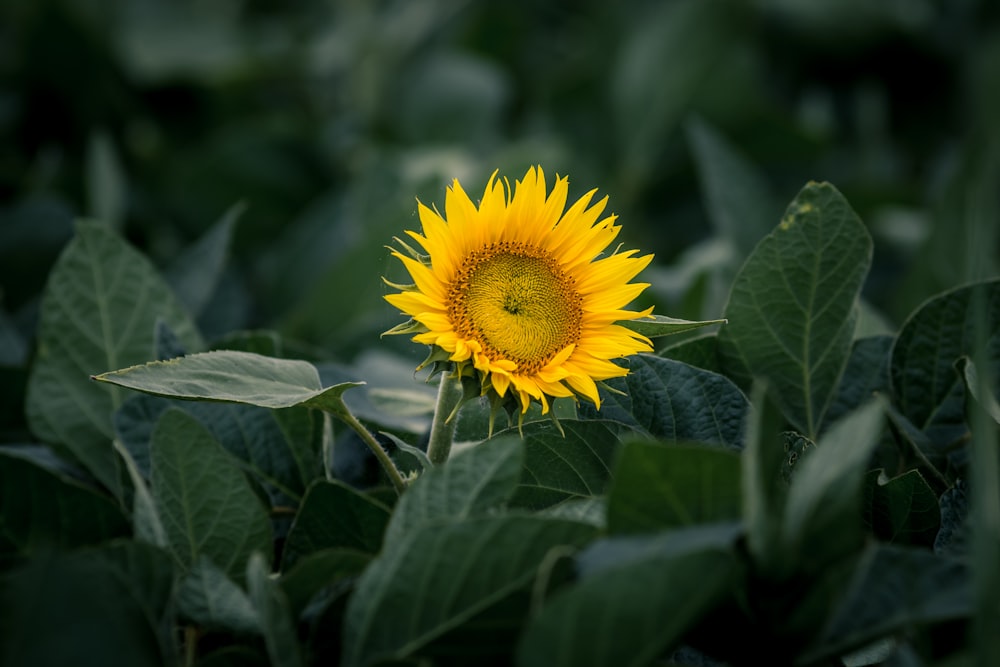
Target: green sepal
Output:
[
  {"x": 415, "y": 254},
  {"x": 439, "y": 358},
  {"x": 411, "y": 287},
  {"x": 411, "y": 326}
]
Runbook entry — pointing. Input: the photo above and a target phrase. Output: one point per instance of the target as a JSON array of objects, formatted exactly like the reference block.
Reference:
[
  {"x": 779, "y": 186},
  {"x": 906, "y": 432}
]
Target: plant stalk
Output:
[
  {"x": 443, "y": 427},
  {"x": 383, "y": 458}
]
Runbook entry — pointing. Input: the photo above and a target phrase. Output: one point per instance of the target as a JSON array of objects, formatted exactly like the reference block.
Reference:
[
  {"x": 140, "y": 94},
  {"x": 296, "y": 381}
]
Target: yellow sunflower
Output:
[{"x": 516, "y": 291}]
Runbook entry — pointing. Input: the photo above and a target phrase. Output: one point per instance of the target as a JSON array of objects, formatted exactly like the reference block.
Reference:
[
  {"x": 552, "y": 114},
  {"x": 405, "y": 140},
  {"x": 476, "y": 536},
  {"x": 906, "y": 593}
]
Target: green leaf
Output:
[
  {"x": 440, "y": 575},
  {"x": 109, "y": 607},
  {"x": 895, "y": 589},
  {"x": 281, "y": 448},
  {"x": 319, "y": 570},
  {"x": 670, "y": 400},
  {"x": 206, "y": 506},
  {"x": 658, "y": 487},
  {"x": 234, "y": 377},
  {"x": 210, "y": 599},
  {"x": 40, "y": 510},
  {"x": 633, "y": 611},
  {"x": 866, "y": 374},
  {"x": 822, "y": 515},
  {"x": 99, "y": 311},
  {"x": 903, "y": 510},
  {"x": 272, "y": 608},
  {"x": 926, "y": 387},
  {"x": 740, "y": 204},
  {"x": 655, "y": 326},
  {"x": 335, "y": 515},
  {"x": 471, "y": 483},
  {"x": 195, "y": 273},
  {"x": 972, "y": 384},
  {"x": 701, "y": 352},
  {"x": 793, "y": 305},
  {"x": 559, "y": 466},
  {"x": 107, "y": 189},
  {"x": 764, "y": 489}
]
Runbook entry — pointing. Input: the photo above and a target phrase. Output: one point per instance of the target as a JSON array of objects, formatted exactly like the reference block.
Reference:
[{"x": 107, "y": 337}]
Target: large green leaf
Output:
[
  {"x": 668, "y": 399},
  {"x": 559, "y": 466},
  {"x": 109, "y": 607},
  {"x": 211, "y": 600},
  {"x": 272, "y": 608},
  {"x": 903, "y": 510},
  {"x": 333, "y": 515},
  {"x": 658, "y": 486},
  {"x": 206, "y": 506},
  {"x": 40, "y": 510},
  {"x": 234, "y": 377},
  {"x": 867, "y": 372},
  {"x": 470, "y": 483},
  {"x": 281, "y": 448},
  {"x": 793, "y": 306},
  {"x": 195, "y": 273},
  {"x": 739, "y": 202},
  {"x": 822, "y": 516},
  {"x": 656, "y": 326},
  {"x": 926, "y": 387},
  {"x": 896, "y": 589},
  {"x": 631, "y": 611},
  {"x": 441, "y": 575},
  {"x": 314, "y": 573},
  {"x": 99, "y": 311}
]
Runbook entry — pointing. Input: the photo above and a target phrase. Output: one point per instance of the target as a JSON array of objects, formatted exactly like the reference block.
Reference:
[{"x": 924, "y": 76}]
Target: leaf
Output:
[
  {"x": 281, "y": 448},
  {"x": 740, "y": 204},
  {"x": 40, "y": 510},
  {"x": 234, "y": 377},
  {"x": 925, "y": 385},
  {"x": 866, "y": 373},
  {"x": 107, "y": 606},
  {"x": 206, "y": 506},
  {"x": 670, "y": 400},
  {"x": 107, "y": 189},
  {"x": 954, "y": 537},
  {"x": 700, "y": 352},
  {"x": 210, "y": 599},
  {"x": 658, "y": 487},
  {"x": 99, "y": 311},
  {"x": 319, "y": 570},
  {"x": 896, "y": 589},
  {"x": 821, "y": 516},
  {"x": 633, "y": 611},
  {"x": 470, "y": 483},
  {"x": 793, "y": 305},
  {"x": 195, "y": 273},
  {"x": 655, "y": 326},
  {"x": 440, "y": 575},
  {"x": 562, "y": 466},
  {"x": 334, "y": 515},
  {"x": 272, "y": 607},
  {"x": 903, "y": 510},
  {"x": 972, "y": 384}
]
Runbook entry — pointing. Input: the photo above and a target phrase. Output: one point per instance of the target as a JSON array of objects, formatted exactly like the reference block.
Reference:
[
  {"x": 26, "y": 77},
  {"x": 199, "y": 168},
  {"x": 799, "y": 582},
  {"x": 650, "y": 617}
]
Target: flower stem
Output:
[
  {"x": 443, "y": 428},
  {"x": 383, "y": 458}
]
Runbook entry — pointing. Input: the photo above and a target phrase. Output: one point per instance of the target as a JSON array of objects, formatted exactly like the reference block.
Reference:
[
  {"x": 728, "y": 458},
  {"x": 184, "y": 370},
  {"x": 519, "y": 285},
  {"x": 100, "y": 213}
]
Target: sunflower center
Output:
[{"x": 517, "y": 303}]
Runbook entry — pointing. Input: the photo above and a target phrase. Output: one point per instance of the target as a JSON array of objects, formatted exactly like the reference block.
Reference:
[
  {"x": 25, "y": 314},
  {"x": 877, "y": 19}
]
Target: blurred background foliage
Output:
[{"x": 324, "y": 120}]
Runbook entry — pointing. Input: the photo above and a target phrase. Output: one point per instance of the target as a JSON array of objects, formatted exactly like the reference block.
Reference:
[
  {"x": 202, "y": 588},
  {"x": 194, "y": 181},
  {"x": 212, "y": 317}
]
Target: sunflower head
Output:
[{"x": 517, "y": 296}]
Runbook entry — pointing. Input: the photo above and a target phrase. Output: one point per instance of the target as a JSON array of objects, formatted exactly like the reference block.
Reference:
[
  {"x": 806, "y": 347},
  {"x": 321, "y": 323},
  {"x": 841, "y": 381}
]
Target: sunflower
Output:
[{"x": 518, "y": 294}]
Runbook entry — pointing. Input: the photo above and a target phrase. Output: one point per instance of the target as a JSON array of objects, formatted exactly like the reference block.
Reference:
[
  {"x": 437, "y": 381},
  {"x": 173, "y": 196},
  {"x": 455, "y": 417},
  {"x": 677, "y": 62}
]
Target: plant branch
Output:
[
  {"x": 383, "y": 458},
  {"x": 443, "y": 427}
]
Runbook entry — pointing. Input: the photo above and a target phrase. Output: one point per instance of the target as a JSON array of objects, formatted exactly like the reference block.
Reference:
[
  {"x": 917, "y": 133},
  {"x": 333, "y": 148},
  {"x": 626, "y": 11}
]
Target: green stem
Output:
[
  {"x": 443, "y": 428},
  {"x": 383, "y": 458}
]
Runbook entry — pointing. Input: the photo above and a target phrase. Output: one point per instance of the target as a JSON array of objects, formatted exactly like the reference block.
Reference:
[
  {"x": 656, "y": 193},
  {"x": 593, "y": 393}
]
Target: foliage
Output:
[{"x": 198, "y": 413}]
